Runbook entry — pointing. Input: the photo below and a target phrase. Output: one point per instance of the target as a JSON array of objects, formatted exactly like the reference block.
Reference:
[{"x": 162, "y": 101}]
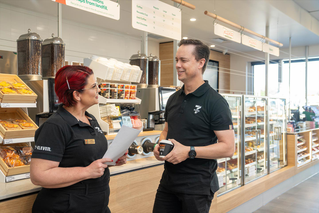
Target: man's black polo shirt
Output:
[
  {"x": 192, "y": 120},
  {"x": 72, "y": 143}
]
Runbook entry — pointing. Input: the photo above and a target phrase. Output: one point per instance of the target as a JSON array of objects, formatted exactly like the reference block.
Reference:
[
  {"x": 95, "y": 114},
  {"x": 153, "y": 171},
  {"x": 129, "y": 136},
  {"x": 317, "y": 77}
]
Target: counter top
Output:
[
  {"x": 17, "y": 188},
  {"x": 142, "y": 134},
  {"x": 301, "y": 131},
  {"x": 25, "y": 186}
]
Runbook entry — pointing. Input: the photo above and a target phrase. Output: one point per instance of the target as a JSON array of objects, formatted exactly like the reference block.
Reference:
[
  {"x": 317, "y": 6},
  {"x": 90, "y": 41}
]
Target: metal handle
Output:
[{"x": 277, "y": 131}]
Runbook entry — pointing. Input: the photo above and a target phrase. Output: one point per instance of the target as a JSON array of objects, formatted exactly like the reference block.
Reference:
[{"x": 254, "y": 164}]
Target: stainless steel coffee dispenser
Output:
[
  {"x": 153, "y": 70},
  {"x": 141, "y": 60},
  {"x": 53, "y": 56},
  {"x": 29, "y": 56}
]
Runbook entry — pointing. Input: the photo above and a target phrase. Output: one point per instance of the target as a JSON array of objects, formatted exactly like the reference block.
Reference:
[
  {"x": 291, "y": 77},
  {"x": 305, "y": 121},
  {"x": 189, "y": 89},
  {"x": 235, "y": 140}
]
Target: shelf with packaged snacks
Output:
[
  {"x": 16, "y": 124},
  {"x": 315, "y": 145},
  {"x": 301, "y": 163},
  {"x": 303, "y": 156},
  {"x": 14, "y": 92},
  {"x": 250, "y": 125},
  {"x": 103, "y": 100},
  {"x": 250, "y": 164},
  {"x": 15, "y": 159},
  {"x": 301, "y": 150}
]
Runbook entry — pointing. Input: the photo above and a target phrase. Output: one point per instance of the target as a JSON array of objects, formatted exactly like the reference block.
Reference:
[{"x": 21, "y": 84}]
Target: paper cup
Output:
[{"x": 165, "y": 147}]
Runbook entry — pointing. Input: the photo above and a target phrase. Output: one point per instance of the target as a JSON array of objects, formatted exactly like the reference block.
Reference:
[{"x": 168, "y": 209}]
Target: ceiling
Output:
[
  {"x": 311, "y": 6},
  {"x": 251, "y": 14}
]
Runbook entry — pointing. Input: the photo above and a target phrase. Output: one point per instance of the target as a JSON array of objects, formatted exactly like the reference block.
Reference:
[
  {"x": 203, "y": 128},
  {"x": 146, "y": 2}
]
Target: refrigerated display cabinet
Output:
[
  {"x": 277, "y": 133},
  {"x": 228, "y": 171}
]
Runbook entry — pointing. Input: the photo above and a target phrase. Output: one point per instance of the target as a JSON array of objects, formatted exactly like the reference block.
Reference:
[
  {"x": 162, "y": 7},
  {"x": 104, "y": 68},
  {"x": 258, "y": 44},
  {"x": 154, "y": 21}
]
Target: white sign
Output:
[
  {"x": 220, "y": 180},
  {"x": 105, "y": 8},
  {"x": 157, "y": 17},
  {"x": 251, "y": 42},
  {"x": 227, "y": 33},
  {"x": 270, "y": 49}
]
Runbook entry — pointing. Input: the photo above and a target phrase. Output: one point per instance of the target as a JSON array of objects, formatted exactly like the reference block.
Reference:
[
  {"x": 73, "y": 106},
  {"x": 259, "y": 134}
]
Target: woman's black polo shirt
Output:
[
  {"x": 72, "y": 143},
  {"x": 192, "y": 120}
]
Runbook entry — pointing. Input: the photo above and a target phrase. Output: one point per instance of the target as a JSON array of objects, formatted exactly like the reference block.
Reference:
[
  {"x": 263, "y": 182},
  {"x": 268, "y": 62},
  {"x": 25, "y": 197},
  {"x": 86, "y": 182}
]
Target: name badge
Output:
[{"x": 89, "y": 141}]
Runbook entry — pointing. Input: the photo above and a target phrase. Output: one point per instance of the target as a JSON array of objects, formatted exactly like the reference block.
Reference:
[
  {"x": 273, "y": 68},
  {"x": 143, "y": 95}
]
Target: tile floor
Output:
[{"x": 303, "y": 198}]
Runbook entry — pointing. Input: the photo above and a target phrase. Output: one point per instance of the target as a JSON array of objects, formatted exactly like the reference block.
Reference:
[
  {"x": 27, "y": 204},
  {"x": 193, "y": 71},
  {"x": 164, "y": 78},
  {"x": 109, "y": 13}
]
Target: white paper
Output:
[{"x": 121, "y": 143}]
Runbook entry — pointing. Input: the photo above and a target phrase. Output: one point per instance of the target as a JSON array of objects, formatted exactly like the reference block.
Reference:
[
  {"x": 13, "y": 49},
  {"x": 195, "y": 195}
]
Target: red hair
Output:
[{"x": 69, "y": 79}]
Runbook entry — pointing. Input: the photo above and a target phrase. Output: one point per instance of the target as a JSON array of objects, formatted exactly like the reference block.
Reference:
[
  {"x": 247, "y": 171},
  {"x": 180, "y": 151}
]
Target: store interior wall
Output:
[
  {"x": 239, "y": 63},
  {"x": 82, "y": 41}
]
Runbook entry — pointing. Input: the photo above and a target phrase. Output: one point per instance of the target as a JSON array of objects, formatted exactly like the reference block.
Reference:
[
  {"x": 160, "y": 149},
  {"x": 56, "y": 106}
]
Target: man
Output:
[{"x": 196, "y": 116}]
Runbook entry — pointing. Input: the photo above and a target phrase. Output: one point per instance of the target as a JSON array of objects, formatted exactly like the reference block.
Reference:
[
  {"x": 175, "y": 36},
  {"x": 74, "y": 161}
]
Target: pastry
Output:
[
  {"x": 4, "y": 84},
  {"x": 8, "y": 91},
  {"x": 18, "y": 86},
  {"x": 11, "y": 126},
  {"x": 24, "y": 91},
  {"x": 26, "y": 125}
]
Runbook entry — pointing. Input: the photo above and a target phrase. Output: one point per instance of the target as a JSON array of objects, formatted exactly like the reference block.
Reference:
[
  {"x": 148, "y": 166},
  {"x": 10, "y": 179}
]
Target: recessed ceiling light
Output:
[
  {"x": 185, "y": 37},
  {"x": 213, "y": 45},
  {"x": 193, "y": 19}
]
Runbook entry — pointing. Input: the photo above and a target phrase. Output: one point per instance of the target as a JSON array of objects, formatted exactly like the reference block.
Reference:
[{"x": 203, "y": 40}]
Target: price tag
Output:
[
  {"x": 8, "y": 141},
  {"x": 252, "y": 171},
  {"x": 5, "y": 105},
  {"x": 221, "y": 180},
  {"x": 17, "y": 177}
]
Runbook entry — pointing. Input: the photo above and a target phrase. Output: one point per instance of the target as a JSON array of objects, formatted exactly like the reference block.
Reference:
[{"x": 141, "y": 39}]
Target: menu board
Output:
[
  {"x": 157, "y": 18},
  {"x": 227, "y": 33},
  {"x": 251, "y": 42},
  {"x": 270, "y": 49},
  {"x": 101, "y": 7}
]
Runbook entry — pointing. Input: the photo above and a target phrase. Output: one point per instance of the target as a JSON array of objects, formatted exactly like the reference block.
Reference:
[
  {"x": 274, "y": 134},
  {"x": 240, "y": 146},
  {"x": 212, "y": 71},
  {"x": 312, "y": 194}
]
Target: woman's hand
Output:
[
  {"x": 96, "y": 168},
  {"x": 122, "y": 160}
]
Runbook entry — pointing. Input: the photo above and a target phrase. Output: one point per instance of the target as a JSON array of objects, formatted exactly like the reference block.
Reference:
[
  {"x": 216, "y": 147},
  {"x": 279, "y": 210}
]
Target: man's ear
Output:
[{"x": 202, "y": 62}]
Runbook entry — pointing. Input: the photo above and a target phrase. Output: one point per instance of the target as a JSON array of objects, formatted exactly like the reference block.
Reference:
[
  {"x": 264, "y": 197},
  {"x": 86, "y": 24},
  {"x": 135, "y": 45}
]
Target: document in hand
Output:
[{"x": 121, "y": 143}]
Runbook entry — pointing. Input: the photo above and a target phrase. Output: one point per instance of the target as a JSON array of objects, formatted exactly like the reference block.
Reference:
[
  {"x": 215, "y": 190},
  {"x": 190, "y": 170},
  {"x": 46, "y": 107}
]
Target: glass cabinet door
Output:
[
  {"x": 255, "y": 143},
  {"x": 277, "y": 131},
  {"x": 228, "y": 170}
]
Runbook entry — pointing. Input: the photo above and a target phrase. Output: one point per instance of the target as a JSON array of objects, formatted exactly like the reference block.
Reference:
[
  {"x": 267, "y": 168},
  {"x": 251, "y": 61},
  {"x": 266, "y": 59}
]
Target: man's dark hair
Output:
[{"x": 201, "y": 50}]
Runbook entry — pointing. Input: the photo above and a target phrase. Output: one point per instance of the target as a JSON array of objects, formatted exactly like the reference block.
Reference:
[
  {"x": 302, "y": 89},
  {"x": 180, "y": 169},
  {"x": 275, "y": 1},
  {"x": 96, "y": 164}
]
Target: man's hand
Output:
[
  {"x": 178, "y": 154},
  {"x": 156, "y": 153}
]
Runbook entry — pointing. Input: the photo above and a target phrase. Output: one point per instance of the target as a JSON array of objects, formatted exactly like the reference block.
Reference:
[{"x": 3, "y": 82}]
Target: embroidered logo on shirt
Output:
[
  {"x": 43, "y": 148},
  {"x": 197, "y": 109},
  {"x": 98, "y": 129}
]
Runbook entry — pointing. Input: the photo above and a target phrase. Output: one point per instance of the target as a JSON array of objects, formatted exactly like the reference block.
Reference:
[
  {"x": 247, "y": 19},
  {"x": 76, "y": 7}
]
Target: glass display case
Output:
[
  {"x": 254, "y": 127},
  {"x": 228, "y": 171},
  {"x": 277, "y": 133},
  {"x": 260, "y": 140}
]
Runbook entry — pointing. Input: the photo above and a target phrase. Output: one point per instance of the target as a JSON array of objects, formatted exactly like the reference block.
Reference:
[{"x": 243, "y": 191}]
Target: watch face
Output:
[{"x": 192, "y": 154}]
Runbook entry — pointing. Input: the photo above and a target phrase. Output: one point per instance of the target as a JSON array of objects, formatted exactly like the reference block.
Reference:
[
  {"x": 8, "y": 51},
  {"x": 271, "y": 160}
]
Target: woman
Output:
[{"x": 67, "y": 160}]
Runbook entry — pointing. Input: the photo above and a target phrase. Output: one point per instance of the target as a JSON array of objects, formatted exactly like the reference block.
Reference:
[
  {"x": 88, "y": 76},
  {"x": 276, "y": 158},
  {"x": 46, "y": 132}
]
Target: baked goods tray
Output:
[
  {"x": 8, "y": 171},
  {"x": 15, "y": 124},
  {"x": 14, "y": 90}
]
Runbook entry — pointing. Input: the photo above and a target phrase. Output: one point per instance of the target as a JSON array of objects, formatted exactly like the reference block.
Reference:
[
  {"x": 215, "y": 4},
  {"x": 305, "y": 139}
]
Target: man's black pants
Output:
[{"x": 169, "y": 202}]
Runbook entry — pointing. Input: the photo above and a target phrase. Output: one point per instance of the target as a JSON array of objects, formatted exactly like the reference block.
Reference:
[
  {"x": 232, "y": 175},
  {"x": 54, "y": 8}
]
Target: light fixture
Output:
[
  {"x": 213, "y": 45},
  {"x": 185, "y": 37},
  {"x": 182, "y": 2},
  {"x": 214, "y": 16},
  {"x": 193, "y": 19}
]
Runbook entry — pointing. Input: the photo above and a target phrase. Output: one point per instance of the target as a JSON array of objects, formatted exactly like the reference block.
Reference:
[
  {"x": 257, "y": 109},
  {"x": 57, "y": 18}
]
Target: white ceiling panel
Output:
[{"x": 251, "y": 14}]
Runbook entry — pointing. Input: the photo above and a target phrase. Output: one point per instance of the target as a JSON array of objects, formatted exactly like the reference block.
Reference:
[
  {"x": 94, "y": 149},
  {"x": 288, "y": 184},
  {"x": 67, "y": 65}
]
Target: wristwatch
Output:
[{"x": 192, "y": 153}]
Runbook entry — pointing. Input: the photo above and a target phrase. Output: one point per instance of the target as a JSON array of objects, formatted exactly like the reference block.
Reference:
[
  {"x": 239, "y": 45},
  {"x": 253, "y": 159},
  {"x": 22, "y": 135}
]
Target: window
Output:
[{"x": 312, "y": 84}]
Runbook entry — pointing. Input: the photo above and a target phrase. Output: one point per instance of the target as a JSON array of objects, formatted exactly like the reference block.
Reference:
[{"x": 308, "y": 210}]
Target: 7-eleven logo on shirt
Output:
[{"x": 197, "y": 109}]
